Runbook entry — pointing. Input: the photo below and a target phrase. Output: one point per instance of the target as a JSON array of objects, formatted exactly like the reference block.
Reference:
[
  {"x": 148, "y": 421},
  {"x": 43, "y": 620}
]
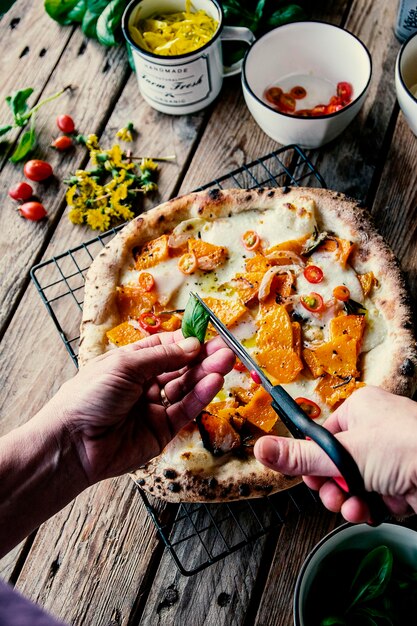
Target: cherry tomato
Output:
[
  {"x": 62, "y": 143},
  {"x": 251, "y": 240},
  {"x": 65, "y": 123},
  {"x": 150, "y": 322},
  {"x": 33, "y": 211},
  {"x": 187, "y": 263},
  {"x": 313, "y": 302},
  {"x": 344, "y": 91},
  {"x": 308, "y": 406},
  {"x": 146, "y": 281},
  {"x": 298, "y": 92},
  {"x": 21, "y": 191},
  {"x": 238, "y": 366},
  {"x": 313, "y": 274},
  {"x": 341, "y": 293},
  {"x": 273, "y": 95},
  {"x": 37, "y": 170}
]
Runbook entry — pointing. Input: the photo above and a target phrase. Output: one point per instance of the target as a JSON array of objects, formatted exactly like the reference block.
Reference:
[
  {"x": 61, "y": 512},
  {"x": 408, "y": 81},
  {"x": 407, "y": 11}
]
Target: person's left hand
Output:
[{"x": 113, "y": 408}]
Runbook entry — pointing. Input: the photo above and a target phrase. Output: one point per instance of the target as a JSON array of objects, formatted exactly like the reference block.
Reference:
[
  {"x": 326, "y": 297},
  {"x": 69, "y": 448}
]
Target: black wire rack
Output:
[{"x": 196, "y": 535}]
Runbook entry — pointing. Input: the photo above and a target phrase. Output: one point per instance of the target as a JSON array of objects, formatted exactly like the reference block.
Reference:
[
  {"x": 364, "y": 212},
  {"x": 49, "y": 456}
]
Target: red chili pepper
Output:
[
  {"x": 313, "y": 302},
  {"x": 251, "y": 240},
  {"x": 298, "y": 92},
  {"x": 146, "y": 281},
  {"x": 341, "y": 293},
  {"x": 308, "y": 406},
  {"x": 150, "y": 322},
  {"x": 255, "y": 377},
  {"x": 273, "y": 95},
  {"x": 345, "y": 91},
  {"x": 313, "y": 274},
  {"x": 238, "y": 366}
]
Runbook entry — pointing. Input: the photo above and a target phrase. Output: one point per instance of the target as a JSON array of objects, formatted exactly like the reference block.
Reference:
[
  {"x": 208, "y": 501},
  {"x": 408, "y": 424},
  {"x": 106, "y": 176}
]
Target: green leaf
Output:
[
  {"x": 5, "y": 129},
  {"x": 77, "y": 13},
  {"x": 290, "y": 13},
  {"x": 372, "y": 577},
  {"x": 333, "y": 620},
  {"x": 26, "y": 143},
  {"x": 89, "y": 24},
  {"x": 60, "y": 9},
  {"x": 108, "y": 24},
  {"x": 97, "y": 6},
  {"x": 354, "y": 308},
  {"x": 18, "y": 105},
  {"x": 260, "y": 9},
  {"x": 195, "y": 320},
  {"x": 130, "y": 56}
]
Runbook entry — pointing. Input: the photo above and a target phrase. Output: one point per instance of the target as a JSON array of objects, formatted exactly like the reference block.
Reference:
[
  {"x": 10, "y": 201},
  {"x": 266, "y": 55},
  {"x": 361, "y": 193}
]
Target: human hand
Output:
[
  {"x": 113, "y": 410},
  {"x": 379, "y": 429}
]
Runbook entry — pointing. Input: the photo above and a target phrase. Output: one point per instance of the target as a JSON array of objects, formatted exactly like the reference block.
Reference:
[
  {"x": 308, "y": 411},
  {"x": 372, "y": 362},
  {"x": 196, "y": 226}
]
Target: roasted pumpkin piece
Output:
[
  {"x": 259, "y": 411},
  {"x": 281, "y": 288},
  {"x": 246, "y": 285},
  {"x": 123, "y": 334},
  {"x": 312, "y": 362},
  {"x": 152, "y": 253},
  {"x": 132, "y": 300},
  {"x": 293, "y": 245},
  {"x": 338, "y": 356},
  {"x": 351, "y": 325},
  {"x": 207, "y": 254},
  {"x": 215, "y": 407},
  {"x": 244, "y": 394},
  {"x": 169, "y": 322},
  {"x": 257, "y": 263},
  {"x": 367, "y": 281},
  {"x": 342, "y": 248},
  {"x": 282, "y": 363},
  {"x": 275, "y": 328},
  {"x": 218, "y": 434},
  {"x": 333, "y": 389},
  {"x": 228, "y": 311},
  {"x": 296, "y": 334}
]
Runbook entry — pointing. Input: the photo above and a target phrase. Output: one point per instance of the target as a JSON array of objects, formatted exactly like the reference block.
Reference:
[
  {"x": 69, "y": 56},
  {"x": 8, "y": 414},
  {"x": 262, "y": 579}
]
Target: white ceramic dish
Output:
[
  {"x": 402, "y": 541},
  {"x": 406, "y": 81},
  {"x": 315, "y": 49}
]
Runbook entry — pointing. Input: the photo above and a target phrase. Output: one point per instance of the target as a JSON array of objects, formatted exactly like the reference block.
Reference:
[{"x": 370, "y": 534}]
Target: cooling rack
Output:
[{"x": 196, "y": 535}]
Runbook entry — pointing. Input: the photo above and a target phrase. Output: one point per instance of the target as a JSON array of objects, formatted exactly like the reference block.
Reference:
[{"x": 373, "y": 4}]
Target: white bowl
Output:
[
  {"x": 320, "y": 51},
  {"x": 406, "y": 79},
  {"x": 402, "y": 542}
]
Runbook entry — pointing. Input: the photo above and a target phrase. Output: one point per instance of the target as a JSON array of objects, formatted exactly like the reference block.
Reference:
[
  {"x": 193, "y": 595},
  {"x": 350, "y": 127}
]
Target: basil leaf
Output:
[
  {"x": 333, "y": 620},
  {"x": 314, "y": 241},
  {"x": 130, "y": 56},
  {"x": 97, "y": 6},
  {"x": 89, "y": 24},
  {"x": 60, "y": 9},
  {"x": 354, "y": 308},
  {"x": 195, "y": 320},
  {"x": 26, "y": 143},
  {"x": 373, "y": 576},
  {"x": 5, "y": 129},
  {"x": 18, "y": 105},
  {"x": 290, "y": 13},
  {"x": 108, "y": 24},
  {"x": 78, "y": 12}
]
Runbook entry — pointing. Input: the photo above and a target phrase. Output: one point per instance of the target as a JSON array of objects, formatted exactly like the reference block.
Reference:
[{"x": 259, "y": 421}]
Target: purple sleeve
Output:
[{"x": 15, "y": 610}]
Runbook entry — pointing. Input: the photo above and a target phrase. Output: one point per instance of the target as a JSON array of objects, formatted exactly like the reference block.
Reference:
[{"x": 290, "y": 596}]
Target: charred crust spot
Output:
[
  {"x": 214, "y": 194},
  {"x": 174, "y": 487},
  {"x": 140, "y": 481},
  {"x": 186, "y": 456},
  {"x": 407, "y": 368},
  {"x": 270, "y": 194},
  {"x": 244, "y": 490},
  {"x": 286, "y": 189},
  {"x": 158, "y": 479},
  {"x": 161, "y": 218},
  {"x": 170, "y": 473},
  {"x": 24, "y": 52},
  {"x": 248, "y": 198},
  {"x": 212, "y": 483}
]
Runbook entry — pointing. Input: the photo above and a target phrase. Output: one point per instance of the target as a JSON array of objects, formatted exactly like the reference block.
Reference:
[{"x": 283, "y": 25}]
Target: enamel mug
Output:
[{"x": 183, "y": 83}]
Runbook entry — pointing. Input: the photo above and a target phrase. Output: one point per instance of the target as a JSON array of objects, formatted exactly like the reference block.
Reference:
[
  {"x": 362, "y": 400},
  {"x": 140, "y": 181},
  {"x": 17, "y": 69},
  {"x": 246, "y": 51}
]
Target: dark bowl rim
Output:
[
  {"x": 245, "y": 82},
  {"x": 400, "y": 74}
]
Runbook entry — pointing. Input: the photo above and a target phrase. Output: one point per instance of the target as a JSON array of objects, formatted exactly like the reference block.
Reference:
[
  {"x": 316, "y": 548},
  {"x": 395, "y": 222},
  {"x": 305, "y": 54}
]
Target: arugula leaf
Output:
[
  {"x": 26, "y": 143},
  {"x": 372, "y": 577},
  {"x": 195, "y": 320},
  {"x": 5, "y": 129},
  {"x": 17, "y": 102},
  {"x": 60, "y": 9},
  {"x": 108, "y": 24}
]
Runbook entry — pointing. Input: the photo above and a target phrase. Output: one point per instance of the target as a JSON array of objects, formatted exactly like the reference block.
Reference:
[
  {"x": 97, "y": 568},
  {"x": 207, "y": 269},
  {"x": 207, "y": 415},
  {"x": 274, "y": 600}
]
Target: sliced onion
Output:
[
  {"x": 184, "y": 230},
  {"x": 266, "y": 282},
  {"x": 276, "y": 255}
]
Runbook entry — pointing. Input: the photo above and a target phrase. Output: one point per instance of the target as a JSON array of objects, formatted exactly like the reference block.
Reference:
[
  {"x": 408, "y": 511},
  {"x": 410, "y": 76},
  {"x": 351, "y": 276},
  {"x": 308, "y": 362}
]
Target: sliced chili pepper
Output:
[
  {"x": 146, "y": 281},
  {"x": 309, "y": 407},
  {"x": 341, "y": 293},
  {"x": 319, "y": 109},
  {"x": 344, "y": 91},
  {"x": 298, "y": 92},
  {"x": 313, "y": 302},
  {"x": 251, "y": 240},
  {"x": 273, "y": 95},
  {"x": 187, "y": 263},
  {"x": 255, "y": 377},
  {"x": 238, "y": 366},
  {"x": 313, "y": 274},
  {"x": 286, "y": 103},
  {"x": 304, "y": 113},
  {"x": 150, "y": 322}
]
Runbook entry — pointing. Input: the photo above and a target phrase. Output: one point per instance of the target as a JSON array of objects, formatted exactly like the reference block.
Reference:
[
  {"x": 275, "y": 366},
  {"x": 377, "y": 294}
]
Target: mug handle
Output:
[{"x": 236, "y": 33}]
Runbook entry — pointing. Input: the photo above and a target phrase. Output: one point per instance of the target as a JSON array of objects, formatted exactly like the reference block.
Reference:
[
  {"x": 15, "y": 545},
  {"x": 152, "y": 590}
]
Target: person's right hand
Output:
[{"x": 379, "y": 429}]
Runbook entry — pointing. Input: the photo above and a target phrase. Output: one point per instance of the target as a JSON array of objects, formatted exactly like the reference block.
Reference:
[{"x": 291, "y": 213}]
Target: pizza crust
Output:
[{"x": 392, "y": 364}]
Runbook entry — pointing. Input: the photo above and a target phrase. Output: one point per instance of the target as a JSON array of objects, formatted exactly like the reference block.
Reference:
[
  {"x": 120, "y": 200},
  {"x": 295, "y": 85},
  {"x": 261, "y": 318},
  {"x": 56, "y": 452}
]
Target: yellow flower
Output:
[
  {"x": 76, "y": 216},
  {"x": 148, "y": 164},
  {"x": 124, "y": 134},
  {"x": 70, "y": 195},
  {"x": 147, "y": 187},
  {"x": 125, "y": 213},
  {"x": 98, "y": 220},
  {"x": 92, "y": 142}
]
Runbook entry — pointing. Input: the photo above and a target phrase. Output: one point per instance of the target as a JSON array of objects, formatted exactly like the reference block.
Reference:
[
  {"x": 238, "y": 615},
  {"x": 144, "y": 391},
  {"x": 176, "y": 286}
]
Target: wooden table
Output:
[{"x": 100, "y": 561}]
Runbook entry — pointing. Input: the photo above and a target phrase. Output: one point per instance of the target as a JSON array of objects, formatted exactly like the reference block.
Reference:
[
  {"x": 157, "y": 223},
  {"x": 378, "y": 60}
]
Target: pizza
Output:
[{"x": 301, "y": 278}]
